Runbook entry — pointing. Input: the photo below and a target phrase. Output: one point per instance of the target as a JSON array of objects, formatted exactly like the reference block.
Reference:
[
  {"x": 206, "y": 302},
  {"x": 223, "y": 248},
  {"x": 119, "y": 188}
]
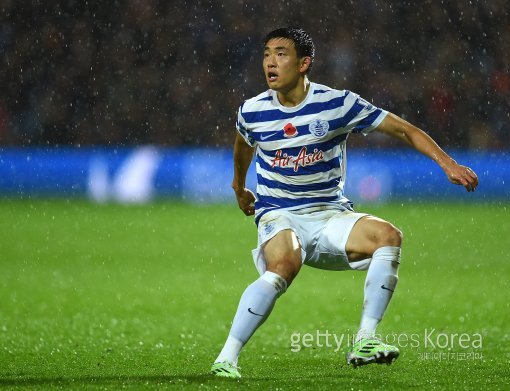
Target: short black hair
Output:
[{"x": 302, "y": 41}]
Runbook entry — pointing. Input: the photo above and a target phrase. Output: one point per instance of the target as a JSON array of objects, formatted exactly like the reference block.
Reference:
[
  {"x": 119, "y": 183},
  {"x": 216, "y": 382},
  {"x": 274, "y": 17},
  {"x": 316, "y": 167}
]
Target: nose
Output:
[{"x": 270, "y": 61}]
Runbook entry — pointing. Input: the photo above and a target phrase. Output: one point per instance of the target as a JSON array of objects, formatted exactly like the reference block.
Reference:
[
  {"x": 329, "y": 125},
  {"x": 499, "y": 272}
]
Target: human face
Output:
[{"x": 282, "y": 68}]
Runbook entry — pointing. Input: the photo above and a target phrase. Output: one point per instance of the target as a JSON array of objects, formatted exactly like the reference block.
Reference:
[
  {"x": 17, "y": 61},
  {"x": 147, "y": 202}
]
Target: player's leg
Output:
[
  {"x": 380, "y": 240},
  {"x": 368, "y": 234},
  {"x": 282, "y": 255}
]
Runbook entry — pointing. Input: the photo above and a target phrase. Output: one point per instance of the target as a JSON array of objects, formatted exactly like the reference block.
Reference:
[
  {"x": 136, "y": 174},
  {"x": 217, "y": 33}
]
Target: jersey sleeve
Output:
[
  {"x": 243, "y": 129},
  {"x": 365, "y": 117}
]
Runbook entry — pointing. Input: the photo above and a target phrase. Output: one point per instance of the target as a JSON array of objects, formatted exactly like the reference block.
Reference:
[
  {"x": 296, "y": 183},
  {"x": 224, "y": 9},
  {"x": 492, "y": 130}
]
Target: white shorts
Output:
[{"x": 322, "y": 234}]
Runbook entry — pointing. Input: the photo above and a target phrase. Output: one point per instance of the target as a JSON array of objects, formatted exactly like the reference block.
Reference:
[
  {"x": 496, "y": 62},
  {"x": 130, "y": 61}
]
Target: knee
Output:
[
  {"x": 286, "y": 267},
  {"x": 390, "y": 236}
]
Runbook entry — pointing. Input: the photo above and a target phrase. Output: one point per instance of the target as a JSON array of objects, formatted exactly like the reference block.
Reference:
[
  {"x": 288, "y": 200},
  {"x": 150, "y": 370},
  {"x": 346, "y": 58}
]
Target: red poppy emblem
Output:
[{"x": 289, "y": 130}]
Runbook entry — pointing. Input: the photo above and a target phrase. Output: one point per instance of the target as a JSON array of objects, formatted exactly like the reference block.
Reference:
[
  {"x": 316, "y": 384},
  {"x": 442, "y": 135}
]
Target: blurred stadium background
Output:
[
  {"x": 120, "y": 100},
  {"x": 134, "y": 101}
]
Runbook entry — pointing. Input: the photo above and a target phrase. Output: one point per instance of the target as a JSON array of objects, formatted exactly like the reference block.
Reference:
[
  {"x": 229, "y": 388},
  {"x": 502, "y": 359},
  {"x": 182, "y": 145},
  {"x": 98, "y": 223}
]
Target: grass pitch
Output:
[{"x": 110, "y": 297}]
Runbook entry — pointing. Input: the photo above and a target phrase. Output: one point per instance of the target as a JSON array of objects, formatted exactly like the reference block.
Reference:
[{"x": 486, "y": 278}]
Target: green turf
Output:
[{"x": 110, "y": 297}]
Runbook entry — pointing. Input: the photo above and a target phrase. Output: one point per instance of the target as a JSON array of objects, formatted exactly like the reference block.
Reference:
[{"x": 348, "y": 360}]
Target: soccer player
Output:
[{"x": 298, "y": 130}]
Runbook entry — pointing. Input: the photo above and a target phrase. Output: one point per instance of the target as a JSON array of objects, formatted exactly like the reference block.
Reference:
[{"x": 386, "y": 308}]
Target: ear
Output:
[{"x": 305, "y": 64}]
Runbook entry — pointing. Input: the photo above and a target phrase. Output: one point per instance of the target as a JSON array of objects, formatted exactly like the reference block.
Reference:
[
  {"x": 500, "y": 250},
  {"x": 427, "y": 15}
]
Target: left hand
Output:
[{"x": 461, "y": 175}]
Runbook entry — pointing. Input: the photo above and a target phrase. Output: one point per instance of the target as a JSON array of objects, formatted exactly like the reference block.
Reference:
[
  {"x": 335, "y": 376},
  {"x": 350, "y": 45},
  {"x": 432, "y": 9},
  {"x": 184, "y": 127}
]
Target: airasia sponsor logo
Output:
[{"x": 303, "y": 159}]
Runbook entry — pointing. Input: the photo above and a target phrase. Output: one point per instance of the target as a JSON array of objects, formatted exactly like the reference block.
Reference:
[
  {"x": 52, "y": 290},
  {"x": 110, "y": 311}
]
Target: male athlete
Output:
[{"x": 298, "y": 131}]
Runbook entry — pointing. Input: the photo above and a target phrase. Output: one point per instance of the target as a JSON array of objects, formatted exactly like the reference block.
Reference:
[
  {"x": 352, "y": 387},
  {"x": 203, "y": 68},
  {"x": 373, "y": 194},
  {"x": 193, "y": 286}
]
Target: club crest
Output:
[{"x": 319, "y": 128}]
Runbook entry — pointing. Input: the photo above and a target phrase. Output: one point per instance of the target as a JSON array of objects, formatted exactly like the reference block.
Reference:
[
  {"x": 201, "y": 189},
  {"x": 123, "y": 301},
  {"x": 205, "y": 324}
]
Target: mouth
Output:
[{"x": 272, "y": 76}]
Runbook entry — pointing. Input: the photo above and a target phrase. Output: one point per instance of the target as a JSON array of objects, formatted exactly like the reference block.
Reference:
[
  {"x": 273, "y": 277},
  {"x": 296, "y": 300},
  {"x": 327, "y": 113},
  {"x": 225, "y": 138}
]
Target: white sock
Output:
[
  {"x": 254, "y": 307},
  {"x": 380, "y": 284}
]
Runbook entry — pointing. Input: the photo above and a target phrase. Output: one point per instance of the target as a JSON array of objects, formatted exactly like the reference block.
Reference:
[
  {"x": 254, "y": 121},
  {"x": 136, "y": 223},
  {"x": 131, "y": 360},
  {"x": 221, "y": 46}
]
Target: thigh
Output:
[
  {"x": 283, "y": 245},
  {"x": 283, "y": 254},
  {"x": 368, "y": 234},
  {"x": 280, "y": 244}
]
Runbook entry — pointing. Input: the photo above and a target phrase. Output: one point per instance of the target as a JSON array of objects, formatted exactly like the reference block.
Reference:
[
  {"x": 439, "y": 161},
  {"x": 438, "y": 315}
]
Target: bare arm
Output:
[
  {"x": 243, "y": 155},
  {"x": 417, "y": 138}
]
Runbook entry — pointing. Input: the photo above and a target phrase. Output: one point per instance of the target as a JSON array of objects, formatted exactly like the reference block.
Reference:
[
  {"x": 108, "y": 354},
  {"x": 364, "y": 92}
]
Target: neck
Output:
[{"x": 296, "y": 95}]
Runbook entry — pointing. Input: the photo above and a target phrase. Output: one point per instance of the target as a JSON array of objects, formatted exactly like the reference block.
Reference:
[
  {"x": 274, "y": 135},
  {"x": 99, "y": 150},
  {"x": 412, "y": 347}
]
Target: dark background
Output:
[{"x": 174, "y": 73}]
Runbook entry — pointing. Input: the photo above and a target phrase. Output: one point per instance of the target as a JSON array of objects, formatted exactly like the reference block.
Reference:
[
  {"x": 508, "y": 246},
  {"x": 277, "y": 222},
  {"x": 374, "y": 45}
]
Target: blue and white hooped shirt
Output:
[{"x": 300, "y": 151}]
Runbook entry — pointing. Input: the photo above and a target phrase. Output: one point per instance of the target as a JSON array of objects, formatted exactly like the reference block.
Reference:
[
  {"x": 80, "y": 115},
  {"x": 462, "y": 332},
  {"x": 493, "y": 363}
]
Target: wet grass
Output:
[{"x": 110, "y": 297}]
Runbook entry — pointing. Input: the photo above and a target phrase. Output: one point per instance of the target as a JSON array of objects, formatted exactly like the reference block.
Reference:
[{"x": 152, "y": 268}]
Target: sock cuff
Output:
[
  {"x": 388, "y": 253},
  {"x": 275, "y": 280}
]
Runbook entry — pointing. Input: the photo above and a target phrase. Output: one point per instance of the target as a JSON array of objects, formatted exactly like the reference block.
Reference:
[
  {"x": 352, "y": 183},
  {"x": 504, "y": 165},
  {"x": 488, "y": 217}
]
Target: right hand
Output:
[{"x": 246, "y": 201}]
